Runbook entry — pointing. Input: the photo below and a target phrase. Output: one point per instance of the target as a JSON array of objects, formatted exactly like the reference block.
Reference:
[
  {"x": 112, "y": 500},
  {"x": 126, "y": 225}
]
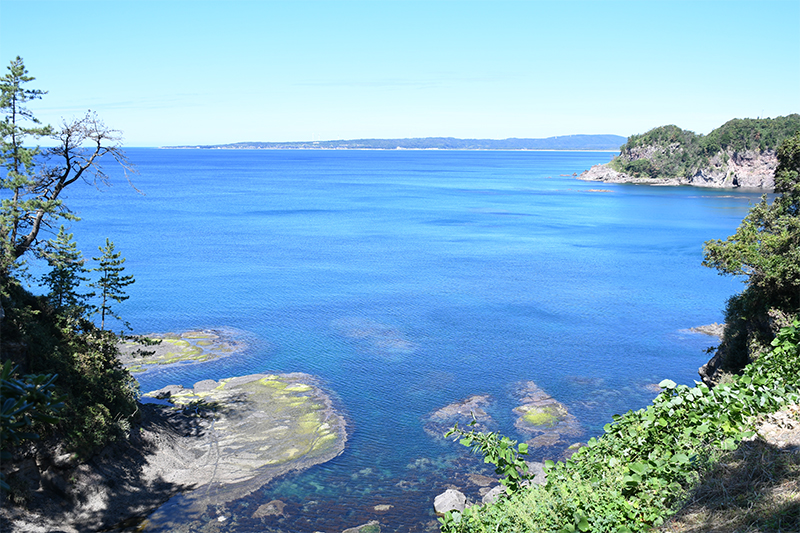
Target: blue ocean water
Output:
[{"x": 408, "y": 280}]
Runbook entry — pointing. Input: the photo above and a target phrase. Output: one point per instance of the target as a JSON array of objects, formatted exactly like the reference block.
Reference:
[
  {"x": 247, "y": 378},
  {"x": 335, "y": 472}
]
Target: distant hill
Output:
[
  {"x": 564, "y": 142},
  {"x": 740, "y": 153}
]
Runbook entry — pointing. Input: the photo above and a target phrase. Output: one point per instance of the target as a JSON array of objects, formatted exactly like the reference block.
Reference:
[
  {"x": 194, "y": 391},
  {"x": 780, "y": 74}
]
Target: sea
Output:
[{"x": 463, "y": 273}]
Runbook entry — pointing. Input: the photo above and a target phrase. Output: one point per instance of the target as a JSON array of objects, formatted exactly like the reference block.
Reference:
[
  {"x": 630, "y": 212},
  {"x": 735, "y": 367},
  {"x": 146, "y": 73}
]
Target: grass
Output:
[{"x": 754, "y": 489}]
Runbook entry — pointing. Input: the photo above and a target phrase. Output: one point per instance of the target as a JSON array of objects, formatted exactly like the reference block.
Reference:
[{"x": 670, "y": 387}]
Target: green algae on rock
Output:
[
  {"x": 190, "y": 346},
  {"x": 543, "y": 418},
  {"x": 251, "y": 429}
]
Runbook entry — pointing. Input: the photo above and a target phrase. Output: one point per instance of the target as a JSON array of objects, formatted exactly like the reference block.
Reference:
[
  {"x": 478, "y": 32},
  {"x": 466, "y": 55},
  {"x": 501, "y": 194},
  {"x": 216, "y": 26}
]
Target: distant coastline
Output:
[{"x": 610, "y": 143}]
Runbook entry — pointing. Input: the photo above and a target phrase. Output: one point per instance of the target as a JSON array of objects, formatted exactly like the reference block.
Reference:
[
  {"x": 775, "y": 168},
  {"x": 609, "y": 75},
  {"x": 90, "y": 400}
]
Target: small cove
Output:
[{"x": 406, "y": 281}]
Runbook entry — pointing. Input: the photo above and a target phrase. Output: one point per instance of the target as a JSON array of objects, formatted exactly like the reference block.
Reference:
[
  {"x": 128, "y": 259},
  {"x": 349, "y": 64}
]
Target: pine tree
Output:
[
  {"x": 17, "y": 157},
  {"x": 65, "y": 277},
  {"x": 111, "y": 284}
]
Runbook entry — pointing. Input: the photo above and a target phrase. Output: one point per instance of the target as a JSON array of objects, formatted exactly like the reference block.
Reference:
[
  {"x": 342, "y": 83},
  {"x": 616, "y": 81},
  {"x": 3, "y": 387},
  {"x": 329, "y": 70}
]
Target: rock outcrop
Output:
[
  {"x": 752, "y": 169},
  {"x": 543, "y": 418},
  {"x": 463, "y": 412},
  {"x": 219, "y": 441}
]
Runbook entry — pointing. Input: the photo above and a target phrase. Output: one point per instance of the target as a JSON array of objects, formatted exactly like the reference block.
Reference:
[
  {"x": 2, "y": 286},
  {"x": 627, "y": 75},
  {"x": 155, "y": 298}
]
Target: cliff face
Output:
[{"x": 751, "y": 169}]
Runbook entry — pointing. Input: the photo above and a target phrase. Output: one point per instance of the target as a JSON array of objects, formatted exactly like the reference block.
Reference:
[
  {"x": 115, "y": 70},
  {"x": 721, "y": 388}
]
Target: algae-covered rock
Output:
[
  {"x": 140, "y": 353},
  {"x": 462, "y": 412},
  {"x": 249, "y": 430},
  {"x": 372, "y": 526},
  {"x": 543, "y": 418}
]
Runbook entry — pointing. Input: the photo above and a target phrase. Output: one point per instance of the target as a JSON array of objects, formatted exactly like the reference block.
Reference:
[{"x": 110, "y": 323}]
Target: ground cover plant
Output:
[{"x": 642, "y": 468}]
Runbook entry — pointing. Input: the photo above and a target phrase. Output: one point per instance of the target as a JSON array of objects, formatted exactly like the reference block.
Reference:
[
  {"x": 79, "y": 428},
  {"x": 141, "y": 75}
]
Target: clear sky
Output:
[{"x": 192, "y": 72}]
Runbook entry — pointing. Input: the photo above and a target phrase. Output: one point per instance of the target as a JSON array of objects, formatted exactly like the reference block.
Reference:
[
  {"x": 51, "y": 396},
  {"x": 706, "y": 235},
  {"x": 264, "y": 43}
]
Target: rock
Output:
[
  {"x": 481, "y": 480},
  {"x": 543, "y": 417},
  {"x": 462, "y": 412},
  {"x": 537, "y": 471},
  {"x": 449, "y": 500},
  {"x": 370, "y": 527},
  {"x": 493, "y": 495},
  {"x": 65, "y": 460},
  {"x": 713, "y": 330},
  {"x": 188, "y": 347},
  {"x": 273, "y": 508},
  {"x": 166, "y": 392},
  {"x": 53, "y": 481},
  {"x": 381, "y": 339},
  {"x": 382, "y": 508}
]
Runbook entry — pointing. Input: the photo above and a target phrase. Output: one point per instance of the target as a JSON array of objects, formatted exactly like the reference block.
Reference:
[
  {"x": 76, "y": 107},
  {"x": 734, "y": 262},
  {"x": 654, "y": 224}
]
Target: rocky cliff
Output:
[
  {"x": 742, "y": 153},
  {"x": 751, "y": 169}
]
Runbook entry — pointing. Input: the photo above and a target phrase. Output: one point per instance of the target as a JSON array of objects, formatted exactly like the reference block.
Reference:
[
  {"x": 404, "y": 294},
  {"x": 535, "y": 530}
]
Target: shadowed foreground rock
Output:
[{"x": 219, "y": 442}]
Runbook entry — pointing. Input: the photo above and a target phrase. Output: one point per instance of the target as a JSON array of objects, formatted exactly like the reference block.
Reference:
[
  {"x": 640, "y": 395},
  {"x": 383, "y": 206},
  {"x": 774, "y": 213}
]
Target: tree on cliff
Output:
[
  {"x": 35, "y": 179},
  {"x": 67, "y": 272},
  {"x": 111, "y": 283},
  {"x": 766, "y": 250},
  {"x": 49, "y": 339}
]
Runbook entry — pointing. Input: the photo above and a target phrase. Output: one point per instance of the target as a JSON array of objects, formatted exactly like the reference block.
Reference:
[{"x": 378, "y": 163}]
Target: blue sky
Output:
[{"x": 192, "y": 72}]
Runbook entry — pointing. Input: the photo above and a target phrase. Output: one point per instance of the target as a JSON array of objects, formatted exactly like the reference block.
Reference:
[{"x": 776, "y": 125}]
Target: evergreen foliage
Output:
[
  {"x": 53, "y": 356},
  {"x": 33, "y": 180},
  {"x": 17, "y": 129},
  {"x": 766, "y": 251},
  {"x": 64, "y": 278},
  {"x": 24, "y": 401},
  {"x": 112, "y": 282}
]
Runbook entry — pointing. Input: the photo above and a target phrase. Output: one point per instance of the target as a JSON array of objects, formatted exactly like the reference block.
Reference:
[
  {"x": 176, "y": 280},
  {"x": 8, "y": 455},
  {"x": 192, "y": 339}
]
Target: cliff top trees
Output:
[
  {"x": 51, "y": 335},
  {"x": 766, "y": 250},
  {"x": 34, "y": 179}
]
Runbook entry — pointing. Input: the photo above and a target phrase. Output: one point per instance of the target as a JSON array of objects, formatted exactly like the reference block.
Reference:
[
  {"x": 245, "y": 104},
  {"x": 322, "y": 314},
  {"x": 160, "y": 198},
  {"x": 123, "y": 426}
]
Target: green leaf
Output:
[
  {"x": 667, "y": 384},
  {"x": 680, "y": 458}
]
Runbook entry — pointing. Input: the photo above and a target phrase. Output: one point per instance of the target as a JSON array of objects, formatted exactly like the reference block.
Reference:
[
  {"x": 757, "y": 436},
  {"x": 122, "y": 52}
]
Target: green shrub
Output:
[{"x": 641, "y": 469}]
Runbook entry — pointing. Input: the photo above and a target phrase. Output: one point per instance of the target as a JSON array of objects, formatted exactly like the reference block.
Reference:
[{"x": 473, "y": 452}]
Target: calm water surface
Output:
[{"x": 465, "y": 272}]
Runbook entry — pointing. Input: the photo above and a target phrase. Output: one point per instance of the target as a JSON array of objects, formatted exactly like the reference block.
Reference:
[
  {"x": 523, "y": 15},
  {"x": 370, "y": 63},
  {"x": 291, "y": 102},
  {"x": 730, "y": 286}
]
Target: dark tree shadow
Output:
[{"x": 109, "y": 491}]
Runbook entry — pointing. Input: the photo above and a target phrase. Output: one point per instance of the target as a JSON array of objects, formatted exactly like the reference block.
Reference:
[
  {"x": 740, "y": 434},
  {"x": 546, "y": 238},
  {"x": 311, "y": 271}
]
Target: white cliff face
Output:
[{"x": 752, "y": 169}]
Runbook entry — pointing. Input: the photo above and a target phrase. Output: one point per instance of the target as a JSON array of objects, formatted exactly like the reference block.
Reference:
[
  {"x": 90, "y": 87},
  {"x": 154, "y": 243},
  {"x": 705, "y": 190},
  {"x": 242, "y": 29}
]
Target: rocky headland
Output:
[{"x": 752, "y": 169}]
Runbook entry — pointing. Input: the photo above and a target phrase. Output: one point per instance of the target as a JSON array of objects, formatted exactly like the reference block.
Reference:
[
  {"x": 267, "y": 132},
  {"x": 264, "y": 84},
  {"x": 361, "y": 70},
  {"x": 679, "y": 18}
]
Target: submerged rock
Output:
[
  {"x": 370, "y": 527},
  {"x": 188, "y": 347},
  {"x": 380, "y": 338},
  {"x": 249, "y": 429},
  {"x": 543, "y": 418},
  {"x": 463, "y": 412}
]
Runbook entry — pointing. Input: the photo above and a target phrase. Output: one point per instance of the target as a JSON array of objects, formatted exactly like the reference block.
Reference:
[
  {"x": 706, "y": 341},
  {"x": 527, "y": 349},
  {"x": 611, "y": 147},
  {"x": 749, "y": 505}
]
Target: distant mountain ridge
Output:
[{"x": 563, "y": 142}]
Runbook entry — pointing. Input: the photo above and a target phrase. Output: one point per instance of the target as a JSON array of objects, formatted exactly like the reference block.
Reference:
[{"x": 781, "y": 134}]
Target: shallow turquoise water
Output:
[{"x": 407, "y": 280}]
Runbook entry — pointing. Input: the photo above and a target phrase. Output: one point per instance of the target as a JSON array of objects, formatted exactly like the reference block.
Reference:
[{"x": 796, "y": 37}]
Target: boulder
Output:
[
  {"x": 493, "y": 495},
  {"x": 449, "y": 500},
  {"x": 370, "y": 527}
]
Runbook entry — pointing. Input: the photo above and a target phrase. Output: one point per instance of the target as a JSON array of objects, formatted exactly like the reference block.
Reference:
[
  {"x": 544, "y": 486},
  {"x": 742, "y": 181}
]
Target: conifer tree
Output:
[
  {"x": 112, "y": 282},
  {"x": 17, "y": 158},
  {"x": 66, "y": 274},
  {"x": 35, "y": 179}
]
